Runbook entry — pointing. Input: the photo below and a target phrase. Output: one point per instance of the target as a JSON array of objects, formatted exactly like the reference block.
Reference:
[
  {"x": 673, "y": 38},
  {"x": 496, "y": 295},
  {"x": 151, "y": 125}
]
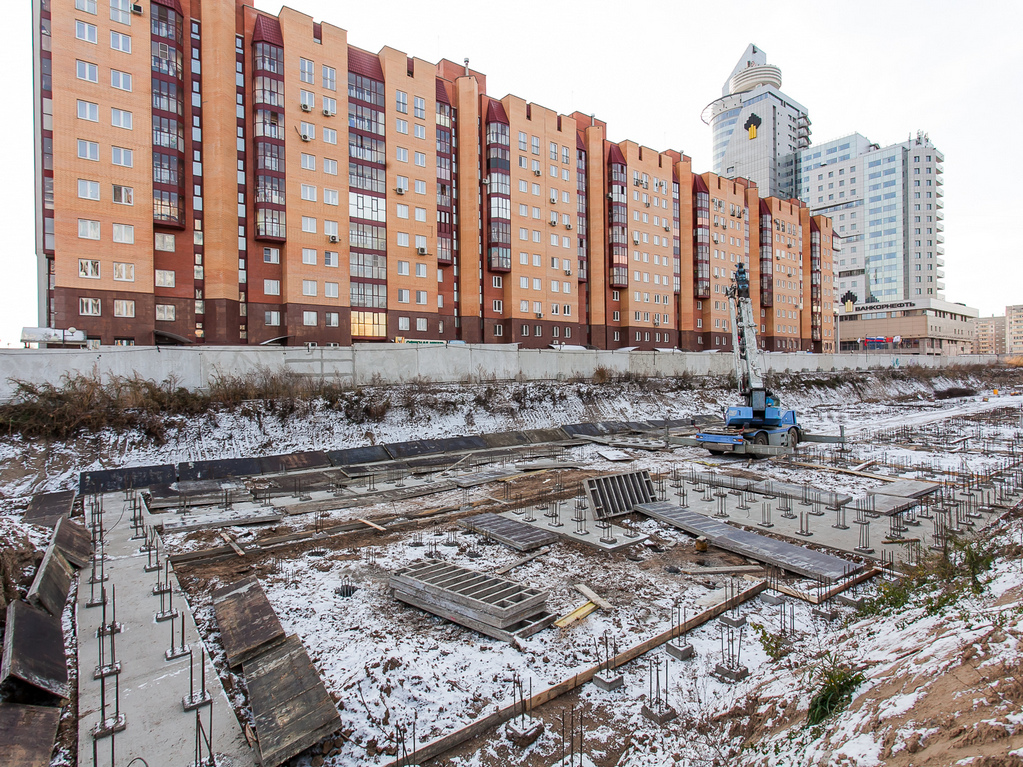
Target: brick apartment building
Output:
[{"x": 194, "y": 164}]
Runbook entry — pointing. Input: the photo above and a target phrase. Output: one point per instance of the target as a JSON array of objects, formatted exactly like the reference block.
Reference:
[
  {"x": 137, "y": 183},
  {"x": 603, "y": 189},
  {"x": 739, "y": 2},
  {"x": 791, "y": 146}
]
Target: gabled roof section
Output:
[
  {"x": 267, "y": 30},
  {"x": 699, "y": 185},
  {"x": 365, "y": 63},
  {"x": 442, "y": 93},
  {"x": 765, "y": 209},
  {"x": 580, "y": 141},
  {"x": 496, "y": 113},
  {"x": 614, "y": 154}
]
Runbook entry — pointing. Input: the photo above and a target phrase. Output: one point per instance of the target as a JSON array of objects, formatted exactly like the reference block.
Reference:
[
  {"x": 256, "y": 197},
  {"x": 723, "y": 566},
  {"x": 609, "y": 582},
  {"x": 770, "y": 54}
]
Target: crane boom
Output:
[{"x": 749, "y": 369}]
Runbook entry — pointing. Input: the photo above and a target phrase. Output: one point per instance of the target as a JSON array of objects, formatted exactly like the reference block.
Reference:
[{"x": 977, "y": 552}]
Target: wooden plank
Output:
[
  {"x": 881, "y": 477},
  {"x": 246, "y": 619},
  {"x": 587, "y": 592},
  {"x": 723, "y": 570},
  {"x": 27, "y": 734},
  {"x": 576, "y": 615},
  {"x": 74, "y": 542},
  {"x": 371, "y": 524},
  {"x": 34, "y": 652},
  {"x": 290, "y": 706},
  {"x": 231, "y": 542},
  {"x": 52, "y": 582},
  {"x": 866, "y": 575},
  {"x": 864, "y": 465},
  {"x": 517, "y": 562}
]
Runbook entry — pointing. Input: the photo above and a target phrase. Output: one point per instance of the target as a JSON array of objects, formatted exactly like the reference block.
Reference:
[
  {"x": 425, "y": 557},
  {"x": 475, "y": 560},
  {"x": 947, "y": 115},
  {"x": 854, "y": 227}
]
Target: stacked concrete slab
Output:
[
  {"x": 494, "y": 606},
  {"x": 612, "y": 495}
]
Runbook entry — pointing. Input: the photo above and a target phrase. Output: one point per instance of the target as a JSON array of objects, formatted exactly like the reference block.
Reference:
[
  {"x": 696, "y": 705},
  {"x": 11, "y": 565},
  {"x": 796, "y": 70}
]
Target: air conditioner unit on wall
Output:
[
  {"x": 307, "y": 108},
  {"x": 327, "y": 113},
  {"x": 421, "y": 251},
  {"x": 136, "y": 9},
  {"x": 332, "y": 238},
  {"x": 306, "y": 137},
  {"x": 539, "y": 315},
  {"x": 536, "y": 173},
  {"x": 400, "y": 190}
]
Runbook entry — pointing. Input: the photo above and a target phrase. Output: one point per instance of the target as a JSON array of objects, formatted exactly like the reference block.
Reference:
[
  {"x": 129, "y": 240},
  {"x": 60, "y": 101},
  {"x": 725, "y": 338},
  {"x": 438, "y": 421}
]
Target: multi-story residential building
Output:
[
  {"x": 195, "y": 161},
  {"x": 989, "y": 335},
  {"x": 758, "y": 130},
  {"x": 1014, "y": 329}
]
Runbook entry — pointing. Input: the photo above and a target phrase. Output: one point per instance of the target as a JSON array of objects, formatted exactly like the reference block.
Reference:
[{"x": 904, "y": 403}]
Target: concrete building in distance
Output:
[
  {"x": 1014, "y": 329},
  {"x": 989, "y": 335},
  {"x": 928, "y": 326},
  {"x": 757, "y": 130},
  {"x": 209, "y": 173}
]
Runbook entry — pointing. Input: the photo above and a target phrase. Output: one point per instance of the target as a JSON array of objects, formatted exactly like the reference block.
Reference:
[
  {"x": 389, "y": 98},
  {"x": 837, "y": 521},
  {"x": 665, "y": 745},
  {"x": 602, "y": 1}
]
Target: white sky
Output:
[{"x": 647, "y": 68}]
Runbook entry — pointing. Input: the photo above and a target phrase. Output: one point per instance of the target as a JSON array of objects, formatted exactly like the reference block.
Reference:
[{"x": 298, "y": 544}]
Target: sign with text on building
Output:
[{"x": 883, "y": 307}]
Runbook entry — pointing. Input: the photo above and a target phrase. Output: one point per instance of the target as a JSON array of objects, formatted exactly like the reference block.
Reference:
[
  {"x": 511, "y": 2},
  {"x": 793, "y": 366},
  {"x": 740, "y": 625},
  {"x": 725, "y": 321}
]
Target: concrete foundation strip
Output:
[{"x": 502, "y": 715}]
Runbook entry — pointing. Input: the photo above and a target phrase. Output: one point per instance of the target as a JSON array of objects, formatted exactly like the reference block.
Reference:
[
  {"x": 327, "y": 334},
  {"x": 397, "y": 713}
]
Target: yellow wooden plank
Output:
[
  {"x": 371, "y": 524},
  {"x": 577, "y": 614}
]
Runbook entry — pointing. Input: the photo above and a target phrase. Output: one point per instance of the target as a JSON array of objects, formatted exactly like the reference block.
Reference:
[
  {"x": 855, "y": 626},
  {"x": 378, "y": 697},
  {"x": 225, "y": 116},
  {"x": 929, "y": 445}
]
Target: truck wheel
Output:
[
  {"x": 793, "y": 436},
  {"x": 760, "y": 438}
]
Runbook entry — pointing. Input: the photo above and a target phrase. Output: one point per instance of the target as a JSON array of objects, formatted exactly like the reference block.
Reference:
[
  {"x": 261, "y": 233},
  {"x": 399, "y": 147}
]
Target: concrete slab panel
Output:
[
  {"x": 74, "y": 542},
  {"x": 27, "y": 734},
  {"x": 400, "y": 450},
  {"x": 50, "y": 587},
  {"x": 906, "y": 488},
  {"x": 45, "y": 509},
  {"x": 540, "y": 436},
  {"x": 505, "y": 439},
  {"x": 34, "y": 668},
  {"x": 90, "y": 482},
  {"x": 219, "y": 469},
  {"x": 612, "y": 495},
  {"x": 247, "y": 621},
  {"x": 309, "y": 459},
  {"x": 581, "y": 429},
  {"x": 357, "y": 455},
  {"x": 290, "y": 706},
  {"x": 511, "y": 532}
]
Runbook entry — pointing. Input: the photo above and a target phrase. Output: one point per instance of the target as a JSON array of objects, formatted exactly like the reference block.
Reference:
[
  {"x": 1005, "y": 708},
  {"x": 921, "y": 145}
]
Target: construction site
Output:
[{"x": 498, "y": 573}]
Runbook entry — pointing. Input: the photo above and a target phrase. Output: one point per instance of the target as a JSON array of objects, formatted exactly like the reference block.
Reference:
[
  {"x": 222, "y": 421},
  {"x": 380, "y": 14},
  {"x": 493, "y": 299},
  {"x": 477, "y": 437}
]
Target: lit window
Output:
[
  {"x": 89, "y": 307},
  {"x": 163, "y": 242},
  {"x": 124, "y": 308},
  {"x": 164, "y": 278},
  {"x": 165, "y": 312},
  {"x": 124, "y": 272}
]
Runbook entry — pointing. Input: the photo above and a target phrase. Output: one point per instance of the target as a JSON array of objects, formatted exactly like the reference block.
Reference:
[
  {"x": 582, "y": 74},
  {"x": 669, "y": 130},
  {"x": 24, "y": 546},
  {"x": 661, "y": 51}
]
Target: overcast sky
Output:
[{"x": 884, "y": 69}]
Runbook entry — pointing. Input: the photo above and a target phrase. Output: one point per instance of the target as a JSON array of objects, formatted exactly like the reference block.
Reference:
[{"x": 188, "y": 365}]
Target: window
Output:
[
  {"x": 308, "y": 161},
  {"x": 420, "y": 296},
  {"x": 421, "y": 270},
  {"x": 88, "y": 268},
  {"x": 85, "y": 31},
  {"x": 124, "y": 195},
  {"x": 120, "y": 11},
  {"x": 330, "y": 289},
  {"x": 164, "y": 278},
  {"x": 421, "y": 214},
  {"x": 309, "y": 256},
  {"x": 420, "y": 131},
  {"x": 329, "y": 166},
  {"x": 403, "y": 323},
  {"x": 272, "y": 287},
  {"x": 420, "y": 186},
  {"x": 329, "y": 136},
  {"x": 307, "y": 130},
  {"x": 86, "y": 71},
  {"x": 165, "y": 312},
  {"x": 123, "y": 308},
  {"x": 331, "y": 319},
  {"x": 124, "y": 272},
  {"x": 119, "y": 118},
  {"x": 119, "y": 42},
  {"x": 272, "y": 319},
  {"x": 401, "y": 102},
  {"x": 498, "y": 306},
  {"x": 305, "y": 71},
  {"x": 403, "y": 296},
  {"x": 88, "y": 190},
  {"x": 420, "y": 159},
  {"x": 89, "y": 307},
  {"x": 88, "y": 111},
  {"x": 121, "y": 156},
  {"x": 329, "y": 78},
  {"x": 309, "y": 319},
  {"x": 271, "y": 256},
  {"x": 420, "y": 107},
  {"x": 120, "y": 80},
  {"x": 401, "y": 211},
  {"x": 308, "y": 192},
  {"x": 309, "y": 224},
  {"x": 89, "y": 6},
  {"x": 401, "y": 154},
  {"x": 330, "y": 258},
  {"x": 330, "y": 196},
  {"x": 88, "y": 230},
  {"x": 124, "y": 233},
  {"x": 401, "y": 126},
  {"x": 329, "y": 106}
]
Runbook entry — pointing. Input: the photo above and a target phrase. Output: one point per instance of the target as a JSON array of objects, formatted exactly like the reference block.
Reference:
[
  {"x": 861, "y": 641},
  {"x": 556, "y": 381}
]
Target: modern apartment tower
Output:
[
  {"x": 209, "y": 173},
  {"x": 756, "y": 128},
  {"x": 887, "y": 206}
]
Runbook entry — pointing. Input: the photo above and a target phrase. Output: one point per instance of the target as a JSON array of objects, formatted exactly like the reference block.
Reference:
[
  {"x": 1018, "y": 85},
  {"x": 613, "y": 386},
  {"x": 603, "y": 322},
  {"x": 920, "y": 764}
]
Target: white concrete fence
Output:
[{"x": 194, "y": 367}]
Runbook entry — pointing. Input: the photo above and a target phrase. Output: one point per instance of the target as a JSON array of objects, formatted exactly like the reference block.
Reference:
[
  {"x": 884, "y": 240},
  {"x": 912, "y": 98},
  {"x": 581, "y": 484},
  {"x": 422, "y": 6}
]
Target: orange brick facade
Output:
[{"x": 212, "y": 174}]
